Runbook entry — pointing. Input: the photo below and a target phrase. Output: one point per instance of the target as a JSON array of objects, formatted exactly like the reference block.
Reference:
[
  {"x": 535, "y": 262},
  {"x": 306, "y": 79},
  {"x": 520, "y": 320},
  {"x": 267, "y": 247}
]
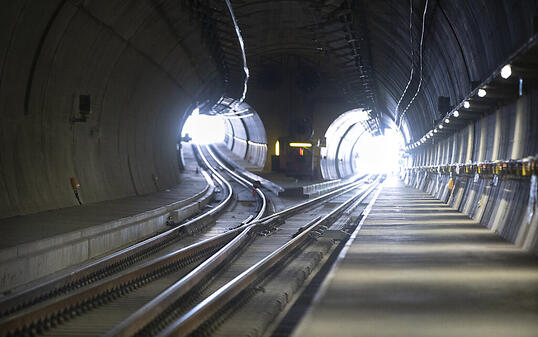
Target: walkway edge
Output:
[{"x": 324, "y": 286}]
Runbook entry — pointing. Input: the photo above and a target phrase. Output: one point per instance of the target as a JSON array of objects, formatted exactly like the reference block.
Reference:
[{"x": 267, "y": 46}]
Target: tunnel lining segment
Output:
[
  {"x": 245, "y": 135},
  {"x": 344, "y": 125}
]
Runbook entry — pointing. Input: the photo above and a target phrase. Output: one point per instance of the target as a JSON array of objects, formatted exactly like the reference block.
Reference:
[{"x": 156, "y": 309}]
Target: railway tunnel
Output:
[{"x": 269, "y": 168}]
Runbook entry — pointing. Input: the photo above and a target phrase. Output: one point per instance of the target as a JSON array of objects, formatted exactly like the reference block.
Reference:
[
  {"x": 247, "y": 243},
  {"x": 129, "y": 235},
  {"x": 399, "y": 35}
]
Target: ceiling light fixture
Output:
[
  {"x": 447, "y": 120},
  {"x": 506, "y": 71},
  {"x": 482, "y": 92},
  {"x": 466, "y": 104},
  {"x": 456, "y": 113}
]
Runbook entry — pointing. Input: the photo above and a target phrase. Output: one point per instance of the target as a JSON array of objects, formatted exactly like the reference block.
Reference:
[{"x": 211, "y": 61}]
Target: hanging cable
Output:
[
  {"x": 421, "y": 63},
  {"x": 412, "y": 62},
  {"x": 242, "y": 45}
]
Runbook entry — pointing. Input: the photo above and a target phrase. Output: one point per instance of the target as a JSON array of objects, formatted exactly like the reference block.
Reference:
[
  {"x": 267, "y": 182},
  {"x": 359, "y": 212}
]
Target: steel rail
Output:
[
  {"x": 51, "y": 311},
  {"x": 212, "y": 304},
  {"x": 72, "y": 304},
  {"x": 149, "y": 312},
  {"x": 111, "y": 263},
  {"x": 352, "y": 184},
  {"x": 154, "y": 308},
  {"x": 118, "y": 261},
  {"x": 244, "y": 180},
  {"x": 76, "y": 302}
]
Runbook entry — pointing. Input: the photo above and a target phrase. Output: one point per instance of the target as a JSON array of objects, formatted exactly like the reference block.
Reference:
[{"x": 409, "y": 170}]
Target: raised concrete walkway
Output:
[
  {"x": 38, "y": 244},
  {"x": 28, "y": 228},
  {"x": 420, "y": 268}
]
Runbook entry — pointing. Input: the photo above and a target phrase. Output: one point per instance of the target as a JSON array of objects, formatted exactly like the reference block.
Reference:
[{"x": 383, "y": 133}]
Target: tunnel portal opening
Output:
[
  {"x": 203, "y": 129},
  {"x": 351, "y": 149},
  {"x": 233, "y": 124},
  {"x": 378, "y": 154}
]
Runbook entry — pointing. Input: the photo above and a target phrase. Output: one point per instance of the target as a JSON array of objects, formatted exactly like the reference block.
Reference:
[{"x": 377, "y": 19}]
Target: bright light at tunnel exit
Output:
[
  {"x": 204, "y": 129},
  {"x": 379, "y": 154}
]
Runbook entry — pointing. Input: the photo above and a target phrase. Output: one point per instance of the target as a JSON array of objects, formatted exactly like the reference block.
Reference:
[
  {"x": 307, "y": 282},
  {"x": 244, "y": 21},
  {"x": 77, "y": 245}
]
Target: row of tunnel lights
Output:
[{"x": 506, "y": 72}]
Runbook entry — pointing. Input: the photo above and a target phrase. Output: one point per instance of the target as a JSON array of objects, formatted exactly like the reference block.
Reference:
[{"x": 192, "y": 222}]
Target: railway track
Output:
[
  {"x": 144, "y": 296},
  {"x": 202, "y": 281},
  {"x": 241, "y": 281},
  {"x": 131, "y": 258}
]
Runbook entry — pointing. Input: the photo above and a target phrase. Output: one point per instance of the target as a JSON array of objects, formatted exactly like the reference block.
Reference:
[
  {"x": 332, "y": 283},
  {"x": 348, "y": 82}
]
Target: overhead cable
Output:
[
  {"x": 421, "y": 64},
  {"x": 412, "y": 61},
  {"x": 242, "y": 45}
]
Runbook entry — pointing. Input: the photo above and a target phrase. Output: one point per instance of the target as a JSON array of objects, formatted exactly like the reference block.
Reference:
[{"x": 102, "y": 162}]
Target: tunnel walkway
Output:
[
  {"x": 38, "y": 244},
  {"x": 37, "y": 226},
  {"x": 420, "y": 268}
]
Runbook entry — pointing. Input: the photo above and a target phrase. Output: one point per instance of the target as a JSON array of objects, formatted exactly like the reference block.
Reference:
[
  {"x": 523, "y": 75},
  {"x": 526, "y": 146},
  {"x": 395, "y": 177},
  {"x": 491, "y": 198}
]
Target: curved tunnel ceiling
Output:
[
  {"x": 367, "y": 46},
  {"x": 144, "y": 63},
  {"x": 464, "y": 41}
]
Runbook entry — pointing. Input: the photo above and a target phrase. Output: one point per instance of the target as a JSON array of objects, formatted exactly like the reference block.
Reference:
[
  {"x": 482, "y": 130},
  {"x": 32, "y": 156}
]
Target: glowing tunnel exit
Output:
[
  {"x": 204, "y": 129},
  {"x": 378, "y": 154},
  {"x": 231, "y": 124},
  {"x": 351, "y": 149}
]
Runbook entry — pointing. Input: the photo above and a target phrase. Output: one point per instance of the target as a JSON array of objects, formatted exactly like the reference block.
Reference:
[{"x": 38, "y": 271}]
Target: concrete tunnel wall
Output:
[
  {"x": 141, "y": 72},
  {"x": 246, "y": 138},
  {"x": 338, "y": 157},
  {"x": 509, "y": 132},
  {"x": 143, "y": 64},
  {"x": 464, "y": 41}
]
